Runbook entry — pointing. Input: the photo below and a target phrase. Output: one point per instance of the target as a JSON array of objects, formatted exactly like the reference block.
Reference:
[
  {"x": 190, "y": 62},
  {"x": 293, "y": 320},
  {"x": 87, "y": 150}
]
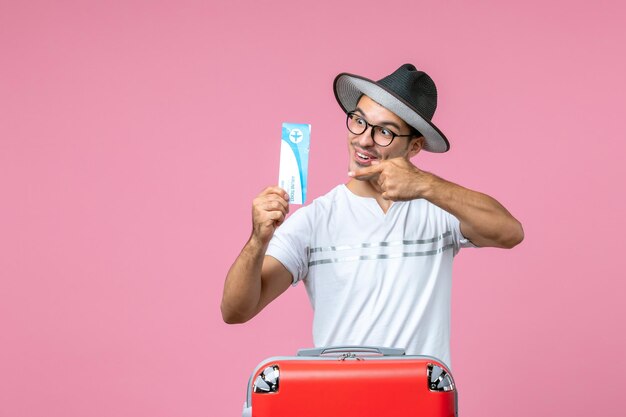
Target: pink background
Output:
[{"x": 134, "y": 135}]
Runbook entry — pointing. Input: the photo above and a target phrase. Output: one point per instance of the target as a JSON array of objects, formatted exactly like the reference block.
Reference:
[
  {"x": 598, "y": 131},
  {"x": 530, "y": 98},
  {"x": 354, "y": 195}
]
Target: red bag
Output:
[{"x": 351, "y": 381}]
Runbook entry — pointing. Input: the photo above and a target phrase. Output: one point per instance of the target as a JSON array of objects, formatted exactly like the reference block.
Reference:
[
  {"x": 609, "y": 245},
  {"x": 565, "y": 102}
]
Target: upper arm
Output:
[
  {"x": 503, "y": 232},
  {"x": 275, "y": 279},
  {"x": 468, "y": 233}
]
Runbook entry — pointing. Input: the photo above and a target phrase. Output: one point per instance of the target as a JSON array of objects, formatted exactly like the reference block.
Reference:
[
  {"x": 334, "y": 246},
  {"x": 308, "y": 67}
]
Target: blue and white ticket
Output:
[{"x": 294, "y": 160}]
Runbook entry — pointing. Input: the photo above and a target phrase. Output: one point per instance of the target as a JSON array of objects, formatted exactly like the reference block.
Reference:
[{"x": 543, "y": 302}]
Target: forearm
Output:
[
  {"x": 483, "y": 219},
  {"x": 242, "y": 289}
]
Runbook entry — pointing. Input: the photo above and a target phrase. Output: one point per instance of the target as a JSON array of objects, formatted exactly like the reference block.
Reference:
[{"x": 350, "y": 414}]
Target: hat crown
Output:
[{"x": 415, "y": 87}]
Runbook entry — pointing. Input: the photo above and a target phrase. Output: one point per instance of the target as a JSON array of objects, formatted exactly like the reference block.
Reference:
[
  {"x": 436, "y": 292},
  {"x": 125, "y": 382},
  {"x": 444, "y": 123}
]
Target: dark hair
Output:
[{"x": 414, "y": 131}]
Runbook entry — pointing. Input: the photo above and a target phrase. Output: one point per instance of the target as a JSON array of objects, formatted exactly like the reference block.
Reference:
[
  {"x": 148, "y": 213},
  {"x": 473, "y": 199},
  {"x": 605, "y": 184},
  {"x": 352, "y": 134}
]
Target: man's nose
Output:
[{"x": 366, "y": 138}]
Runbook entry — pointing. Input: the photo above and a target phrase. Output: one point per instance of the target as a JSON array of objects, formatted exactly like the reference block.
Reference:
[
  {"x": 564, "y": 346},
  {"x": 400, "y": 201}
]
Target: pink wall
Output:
[{"x": 134, "y": 134}]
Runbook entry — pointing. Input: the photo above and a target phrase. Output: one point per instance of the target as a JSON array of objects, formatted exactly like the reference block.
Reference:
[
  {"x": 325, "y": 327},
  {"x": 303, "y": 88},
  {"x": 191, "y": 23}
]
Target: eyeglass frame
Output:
[{"x": 369, "y": 125}]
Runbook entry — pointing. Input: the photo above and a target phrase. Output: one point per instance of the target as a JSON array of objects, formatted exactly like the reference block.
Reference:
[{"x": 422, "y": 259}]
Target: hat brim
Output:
[{"x": 349, "y": 88}]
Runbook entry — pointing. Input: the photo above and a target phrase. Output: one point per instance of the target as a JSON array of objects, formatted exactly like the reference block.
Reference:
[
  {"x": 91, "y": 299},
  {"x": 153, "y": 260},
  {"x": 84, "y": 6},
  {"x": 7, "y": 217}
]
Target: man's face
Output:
[{"x": 363, "y": 150}]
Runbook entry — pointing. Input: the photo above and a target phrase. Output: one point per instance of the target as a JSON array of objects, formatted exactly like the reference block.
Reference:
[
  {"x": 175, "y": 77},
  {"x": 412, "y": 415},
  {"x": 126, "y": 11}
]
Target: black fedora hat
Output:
[{"x": 409, "y": 93}]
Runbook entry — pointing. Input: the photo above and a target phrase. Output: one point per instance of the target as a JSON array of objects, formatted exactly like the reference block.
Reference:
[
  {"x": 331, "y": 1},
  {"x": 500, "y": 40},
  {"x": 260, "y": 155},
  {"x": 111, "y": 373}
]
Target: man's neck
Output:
[{"x": 369, "y": 189}]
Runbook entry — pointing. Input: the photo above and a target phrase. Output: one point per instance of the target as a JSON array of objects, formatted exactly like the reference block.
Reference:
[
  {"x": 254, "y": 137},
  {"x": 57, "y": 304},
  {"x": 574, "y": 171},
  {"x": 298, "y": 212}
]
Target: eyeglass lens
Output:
[{"x": 357, "y": 125}]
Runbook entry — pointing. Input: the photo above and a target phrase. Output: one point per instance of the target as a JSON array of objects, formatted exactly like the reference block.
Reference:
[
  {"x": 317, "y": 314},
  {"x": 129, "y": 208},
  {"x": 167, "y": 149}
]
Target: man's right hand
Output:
[
  {"x": 268, "y": 212},
  {"x": 254, "y": 279}
]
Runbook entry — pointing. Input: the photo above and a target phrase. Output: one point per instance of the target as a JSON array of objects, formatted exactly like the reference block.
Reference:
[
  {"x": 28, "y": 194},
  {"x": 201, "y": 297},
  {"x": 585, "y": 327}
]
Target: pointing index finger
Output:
[{"x": 372, "y": 169}]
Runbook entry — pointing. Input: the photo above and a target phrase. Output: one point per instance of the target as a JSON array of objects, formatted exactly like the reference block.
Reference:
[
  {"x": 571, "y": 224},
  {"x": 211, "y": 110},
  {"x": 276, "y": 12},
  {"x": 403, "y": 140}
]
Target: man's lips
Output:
[{"x": 364, "y": 157}]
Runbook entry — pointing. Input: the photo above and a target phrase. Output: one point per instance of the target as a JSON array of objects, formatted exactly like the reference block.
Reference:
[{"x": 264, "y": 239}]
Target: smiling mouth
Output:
[{"x": 363, "y": 157}]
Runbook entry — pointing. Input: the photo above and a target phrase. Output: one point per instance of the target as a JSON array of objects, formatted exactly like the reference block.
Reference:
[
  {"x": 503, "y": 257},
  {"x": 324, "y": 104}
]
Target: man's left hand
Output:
[{"x": 397, "y": 178}]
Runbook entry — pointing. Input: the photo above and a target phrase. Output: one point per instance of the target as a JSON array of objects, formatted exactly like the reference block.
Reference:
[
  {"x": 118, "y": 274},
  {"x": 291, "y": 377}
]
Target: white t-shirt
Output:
[{"x": 374, "y": 278}]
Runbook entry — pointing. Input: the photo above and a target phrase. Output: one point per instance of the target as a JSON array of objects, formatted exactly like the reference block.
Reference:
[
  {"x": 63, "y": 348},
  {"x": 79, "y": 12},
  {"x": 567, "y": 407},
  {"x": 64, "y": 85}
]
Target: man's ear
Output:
[{"x": 415, "y": 146}]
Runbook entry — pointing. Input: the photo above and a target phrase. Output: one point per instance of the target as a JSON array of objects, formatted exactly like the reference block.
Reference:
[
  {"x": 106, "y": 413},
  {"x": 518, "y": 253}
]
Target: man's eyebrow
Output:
[{"x": 384, "y": 122}]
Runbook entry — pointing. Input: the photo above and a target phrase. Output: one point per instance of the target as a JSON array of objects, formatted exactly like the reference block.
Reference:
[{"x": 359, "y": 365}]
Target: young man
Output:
[{"x": 376, "y": 253}]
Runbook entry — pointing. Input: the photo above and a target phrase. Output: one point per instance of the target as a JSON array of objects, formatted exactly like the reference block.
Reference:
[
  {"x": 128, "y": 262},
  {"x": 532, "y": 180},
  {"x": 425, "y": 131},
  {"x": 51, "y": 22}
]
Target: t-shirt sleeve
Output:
[
  {"x": 290, "y": 244},
  {"x": 460, "y": 241}
]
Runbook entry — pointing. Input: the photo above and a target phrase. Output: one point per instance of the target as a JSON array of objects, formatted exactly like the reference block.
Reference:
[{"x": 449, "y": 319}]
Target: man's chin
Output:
[{"x": 360, "y": 165}]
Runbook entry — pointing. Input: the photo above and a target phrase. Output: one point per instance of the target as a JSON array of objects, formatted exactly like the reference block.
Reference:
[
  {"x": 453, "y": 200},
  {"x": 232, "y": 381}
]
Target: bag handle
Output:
[{"x": 385, "y": 351}]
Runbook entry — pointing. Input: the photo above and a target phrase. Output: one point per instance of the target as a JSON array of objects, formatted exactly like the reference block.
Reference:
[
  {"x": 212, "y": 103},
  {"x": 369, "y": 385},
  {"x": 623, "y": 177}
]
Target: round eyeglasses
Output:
[{"x": 380, "y": 135}]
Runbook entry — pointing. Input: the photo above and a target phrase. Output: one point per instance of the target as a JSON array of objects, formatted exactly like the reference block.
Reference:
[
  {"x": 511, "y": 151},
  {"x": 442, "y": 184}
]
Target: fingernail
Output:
[{"x": 350, "y": 173}]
